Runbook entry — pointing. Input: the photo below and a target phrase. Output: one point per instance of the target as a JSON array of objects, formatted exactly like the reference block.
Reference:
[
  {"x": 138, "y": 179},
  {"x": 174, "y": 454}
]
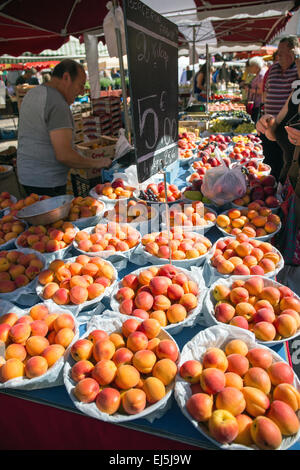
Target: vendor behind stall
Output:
[{"x": 45, "y": 136}]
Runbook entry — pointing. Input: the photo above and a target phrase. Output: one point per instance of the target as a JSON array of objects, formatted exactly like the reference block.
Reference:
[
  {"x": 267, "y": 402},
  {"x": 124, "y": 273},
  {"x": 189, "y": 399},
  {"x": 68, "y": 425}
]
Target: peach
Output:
[
  {"x": 223, "y": 426},
  {"x": 81, "y": 369},
  {"x": 232, "y": 400},
  {"x": 15, "y": 351},
  {"x": 280, "y": 372},
  {"x": 200, "y": 406},
  {"x": 154, "y": 389},
  {"x": 39, "y": 312},
  {"x": 129, "y": 326},
  {"x": 86, "y": 390},
  {"x": 52, "y": 353},
  {"x": 127, "y": 376},
  {"x": 244, "y": 435},
  {"x": 103, "y": 349},
  {"x": 238, "y": 364},
  {"x": 284, "y": 416},
  {"x": 239, "y": 294},
  {"x": 144, "y": 360},
  {"x": 288, "y": 394},
  {"x": 104, "y": 372},
  {"x": 19, "y": 333},
  {"x": 108, "y": 400},
  {"x": 265, "y": 433},
  {"x": 35, "y": 367},
  {"x": 12, "y": 369},
  {"x": 258, "y": 378},
  {"x": 236, "y": 346},
  {"x": 165, "y": 370},
  {"x": 122, "y": 356},
  {"x": 49, "y": 290},
  {"x": 137, "y": 341},
  {"x": 134, "y": 401},
  {"x": 64, "y": 337},
  {"x": 212, "y": 381},
  {"x": 9, "y": 318},
  {"x": 167, "y": 349},
  {"x": 191, "y": 371},
  {"x": 233, "y": 380},
  {"x": 257, "y": 401},
  {"x": 216, "y": 358},
  {"x": 264, "y": 331}
]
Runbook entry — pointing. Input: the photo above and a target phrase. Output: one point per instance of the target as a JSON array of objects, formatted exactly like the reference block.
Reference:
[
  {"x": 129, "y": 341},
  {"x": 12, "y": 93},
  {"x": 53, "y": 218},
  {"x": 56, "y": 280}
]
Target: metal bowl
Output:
[{"x": 47, "y": 211}]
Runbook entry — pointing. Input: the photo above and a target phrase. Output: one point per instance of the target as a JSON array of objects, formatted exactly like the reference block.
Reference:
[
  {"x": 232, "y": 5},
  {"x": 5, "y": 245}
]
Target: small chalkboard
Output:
[
  {"x": 294, "y": 350},
  {"x": 152, "y": 55}
]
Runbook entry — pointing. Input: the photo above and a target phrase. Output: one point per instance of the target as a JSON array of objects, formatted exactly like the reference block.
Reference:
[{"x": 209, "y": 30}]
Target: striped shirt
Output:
[{"x": 278, "y": 87}]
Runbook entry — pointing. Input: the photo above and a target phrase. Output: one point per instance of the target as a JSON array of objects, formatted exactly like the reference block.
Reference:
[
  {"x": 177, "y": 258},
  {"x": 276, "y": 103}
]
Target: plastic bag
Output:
[
  {"x": 122, "y": 145},
  {"x": 222, "y": 184}
]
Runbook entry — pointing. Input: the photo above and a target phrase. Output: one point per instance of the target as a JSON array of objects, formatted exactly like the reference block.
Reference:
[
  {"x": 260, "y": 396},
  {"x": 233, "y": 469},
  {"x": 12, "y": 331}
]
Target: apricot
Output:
[
  {"x": 280, "y": 372},
  {"x": 129, "y": 326},
  {"x": 39, "y": 328},
  {"x": 35, "y": 367},
  {"x": 245, "y": 309},
  {"x": 223, "y": 426},
  {"x": 86, "y": 390},
  {"x": 108, "y": 400},
  {"x": 15, "y": 351},
  {"x": 154, "y": 389},
  {"x": 244, "y": 435},
  {"x": 257, "y": 401},
  {"x": 78, "y": 295},
  {"x": 236, "y": 346},
  {"x": 64, "y": 337},
  {"x": 161, "y": 302},
  {"x": 19, "y": 333},
  {"x": 189, "y": 301},
  {"x": 176, "y": 313},
  {"x": 144, "y": 360},
  {"x": 81, "y": 370},
  {"x": 137, "y": 341},
  {"x": 216, "y": 358},
  {"x": 271, "y": 294},
  {"x": 285, "y": 325},
  {"x": 165, "y": 370},
  {"x": 233, "y": 380},
  {"x": 12, "y": 369},
  {"x": 39, "y": 312},
  {"x": 265, "y": 433},
  {"x": 288, "y": 394},
  {"x": 258, "y": 378},
  {"x": 238, "y": 364},
  {"x": 104, "y": 372},
  {"x": 264, "y": 331},
  {"x": 212, "y": 381},
  {"x": 167, "y": 349},
  {"x": 122, "y": 356},
  {"x": 160, "y": 316},
  {"x": 239, "y": 294},
  {"x": 9, "y": 318},
  {"x": 239, "y": 321},
  {"x": 103, "y": 349},
  {"x": 127, "y": 376},
  {"x": 260, "y": 357},
  {"x": 200, "y": 406},
  {"x": 232, "y": 400},
  {"x": 134, "y": 401},
  {"x": 150, "y": 328},
  {"x": 290, "y": 302},
  {"x": 284, "y": 416},
  {"x": 117, "y": 339},
  {"x": 49, "y": 290}
]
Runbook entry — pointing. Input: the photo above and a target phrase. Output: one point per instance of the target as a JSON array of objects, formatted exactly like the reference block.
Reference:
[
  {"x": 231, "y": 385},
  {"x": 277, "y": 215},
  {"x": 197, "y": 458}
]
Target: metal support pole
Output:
[
  {"x": 122, "y": 72},
  {"x": 193, "y": 59},
  {"x": 207, "y": 76}
]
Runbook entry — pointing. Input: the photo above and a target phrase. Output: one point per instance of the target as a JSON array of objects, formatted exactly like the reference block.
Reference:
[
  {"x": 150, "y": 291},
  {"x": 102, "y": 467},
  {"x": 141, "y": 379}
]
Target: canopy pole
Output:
[
  {"x": 194, "y": 59},
  {"x": 207, "y": 76},
  {"x": 122, "y": 73}
]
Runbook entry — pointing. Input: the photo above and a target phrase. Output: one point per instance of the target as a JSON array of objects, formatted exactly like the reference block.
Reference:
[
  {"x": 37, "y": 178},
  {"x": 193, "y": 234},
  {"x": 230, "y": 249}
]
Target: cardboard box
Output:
[{"x": 102, "y": 147}]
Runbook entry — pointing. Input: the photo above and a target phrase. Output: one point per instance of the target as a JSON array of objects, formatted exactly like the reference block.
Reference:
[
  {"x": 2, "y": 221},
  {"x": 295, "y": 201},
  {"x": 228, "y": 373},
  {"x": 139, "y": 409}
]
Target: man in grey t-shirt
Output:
[{"x": 45, "y": 135}]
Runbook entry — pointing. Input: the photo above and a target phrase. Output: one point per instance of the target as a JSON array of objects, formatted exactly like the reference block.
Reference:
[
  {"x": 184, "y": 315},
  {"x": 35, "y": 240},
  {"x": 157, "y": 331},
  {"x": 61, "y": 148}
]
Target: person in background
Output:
[
  {"x": 115, "y": 73},
  {"x": 28, "y": 77},
  {"x": 46, "y": 77},
  {"x": 200, "y": 83},
  {"x": 278, "y": 87},
  {"x": 258, "y": 68},
  {"x": 46, "y": 150}
]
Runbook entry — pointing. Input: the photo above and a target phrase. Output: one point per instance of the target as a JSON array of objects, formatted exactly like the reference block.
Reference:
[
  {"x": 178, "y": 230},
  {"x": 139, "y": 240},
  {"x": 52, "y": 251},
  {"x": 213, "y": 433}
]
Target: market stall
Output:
[{"x": 146, "y": 313}]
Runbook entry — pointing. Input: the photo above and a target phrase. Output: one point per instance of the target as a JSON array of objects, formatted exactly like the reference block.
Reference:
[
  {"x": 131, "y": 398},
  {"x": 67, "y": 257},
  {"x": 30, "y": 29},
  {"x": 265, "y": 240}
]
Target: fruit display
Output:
[
  {"x": 246, "y": 150},
  {"x": 155, "y": 192},
  {"x": 75, "y": 281},
  {"x": 107, "y": 238},
  {"x": 184, "y": 245},
  {"x": 220, "y": 125},
  {"x": 193, "y": 192},
  {"x": 84, "y": 207},
  {"x": 245, "y": 128},
  {"x": 6, "y": 200},
  {"x": 256, "y": 168},
  {"x": 17, "y": 269},
  {"x": 255, "y": 221},
  {"x": 190, "y": 216},
  {"x": 122, "y": 371},
  {"x": 225, "y": 106},
  {"x": 118, "y": 189},
  {"x": 265, "y": 307},
  {"x": 262, "y": 191},
  {"x": 185, "y": 154},
  {"x": 47, "y": 238},
  {"x": 186, "y": 141},
  {"x": 246, "y": 139},
  {"x": 10, "y": 228},
  {"x": 27, "y": 201},
  {"x": 34, "y": 343},
  {"x": 164, "y": 293},
  {"x": 238, "y": 394},
  {"x": 131, "y": 212},
  {"x": 243, "y": 256}
]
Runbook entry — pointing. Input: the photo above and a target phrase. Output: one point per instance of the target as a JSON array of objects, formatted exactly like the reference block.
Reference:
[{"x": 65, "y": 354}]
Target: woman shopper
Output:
[{"x": 258, "y": 68}]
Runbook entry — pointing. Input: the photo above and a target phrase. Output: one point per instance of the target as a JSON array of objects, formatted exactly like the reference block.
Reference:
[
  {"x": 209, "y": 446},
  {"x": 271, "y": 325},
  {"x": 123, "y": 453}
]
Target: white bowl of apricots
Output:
[
  {"x": 76, "y": 282},
  {"x": 107, "y": 239},
  {"x": 240, "y": 395},
  {"x": 119, "y": 371},
  {"x": 261, "y": 223},
  {"x": 244, "y": 256},
  {"x": 109, "y": 192},
  {"x": 256, "y": 303},
  {"x": 169, "y": 294},
  {"x": 36, "y": 343}
]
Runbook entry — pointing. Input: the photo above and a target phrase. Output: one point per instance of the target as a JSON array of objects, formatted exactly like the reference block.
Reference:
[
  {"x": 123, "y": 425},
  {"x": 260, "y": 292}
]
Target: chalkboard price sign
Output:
[{"x": 152, "y": 54}]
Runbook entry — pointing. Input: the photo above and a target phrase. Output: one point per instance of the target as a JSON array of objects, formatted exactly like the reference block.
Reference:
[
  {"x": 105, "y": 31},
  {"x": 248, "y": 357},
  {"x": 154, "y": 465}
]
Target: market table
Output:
[{"x": 48, "y": 419}]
